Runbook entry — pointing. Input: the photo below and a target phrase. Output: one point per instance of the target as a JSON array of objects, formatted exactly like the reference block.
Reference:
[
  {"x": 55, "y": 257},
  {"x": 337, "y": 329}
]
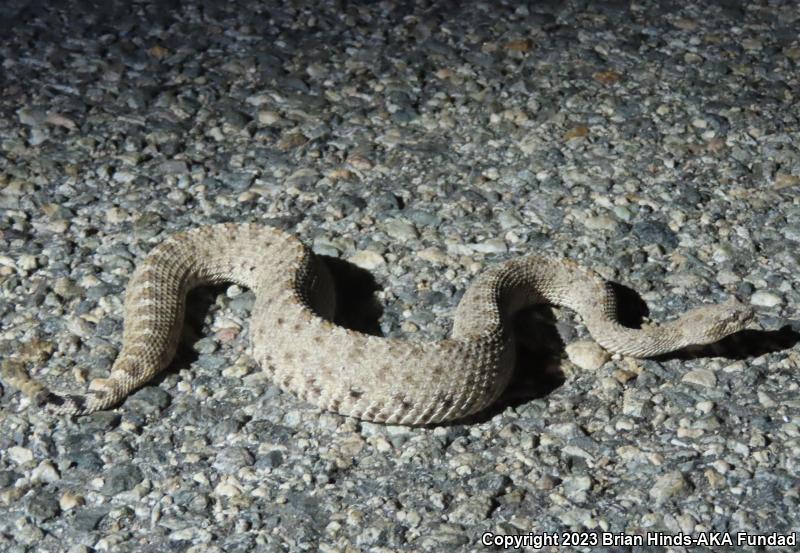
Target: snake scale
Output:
[{"x": 341, "y": 370}]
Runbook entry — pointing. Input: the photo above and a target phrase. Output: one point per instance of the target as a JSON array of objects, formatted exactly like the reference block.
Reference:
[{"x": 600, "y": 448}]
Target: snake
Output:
[{"x": 373, "y": 378}]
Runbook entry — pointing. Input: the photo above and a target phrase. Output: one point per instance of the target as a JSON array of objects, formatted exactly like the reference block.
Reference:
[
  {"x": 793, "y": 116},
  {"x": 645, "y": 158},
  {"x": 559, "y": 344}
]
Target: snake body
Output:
[{"x": 369, "y": 377}]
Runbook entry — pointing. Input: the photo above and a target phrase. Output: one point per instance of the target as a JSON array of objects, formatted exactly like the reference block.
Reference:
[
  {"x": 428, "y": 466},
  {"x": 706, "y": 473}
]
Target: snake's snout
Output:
[
  {"x": 710, "y": 323},
  {"x": 737, "y": 316}
]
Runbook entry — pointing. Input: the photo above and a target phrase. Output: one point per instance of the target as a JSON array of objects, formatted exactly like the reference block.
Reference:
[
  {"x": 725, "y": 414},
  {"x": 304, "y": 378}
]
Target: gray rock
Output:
[
  {"x": 121, "y": 478},
  {"x": 43, "y": 506},
  {"x": 8, "y": 477},
  {"x": 701, "y": 377},
  {"x": 230, "y": 459},
  {"x": 205, "y": 346},
  {"x": 87, "y": 519},
  {"x": 667, "y": 486},
  {"x": 148, "y": 400},
  {"x": 764, "y": 298},
  {"x": 655, "y": 232}
]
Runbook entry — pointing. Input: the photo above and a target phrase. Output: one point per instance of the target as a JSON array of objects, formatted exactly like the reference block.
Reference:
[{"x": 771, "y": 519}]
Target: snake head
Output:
[{"x": 710, "y": 323}]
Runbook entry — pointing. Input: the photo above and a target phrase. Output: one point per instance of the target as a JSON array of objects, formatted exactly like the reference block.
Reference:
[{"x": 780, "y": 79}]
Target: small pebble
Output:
[
  {"x": 20, "y": 455},
  {"x": 701, "y": 377},
  {"x": 368, "y": 260},
  {"x": 668, "y": 486},
  {"x": 762, "y": 298},
  {"x": 70, "y": 500},
  {"x": 587, "y": 355}
]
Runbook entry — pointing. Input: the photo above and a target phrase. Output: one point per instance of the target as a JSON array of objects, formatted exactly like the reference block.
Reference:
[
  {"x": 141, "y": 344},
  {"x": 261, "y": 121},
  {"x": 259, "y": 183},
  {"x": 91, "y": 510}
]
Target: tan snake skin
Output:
[{"x": 344, "y": 371}]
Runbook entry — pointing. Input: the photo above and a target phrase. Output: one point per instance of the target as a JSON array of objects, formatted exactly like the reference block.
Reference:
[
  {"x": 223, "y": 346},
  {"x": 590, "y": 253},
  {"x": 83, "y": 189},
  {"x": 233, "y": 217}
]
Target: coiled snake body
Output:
[{"x": 344, "y": 371}]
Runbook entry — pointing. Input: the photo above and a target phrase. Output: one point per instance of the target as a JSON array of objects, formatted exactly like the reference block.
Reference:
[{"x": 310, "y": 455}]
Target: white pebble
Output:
[
  {"x": 765, "y": 299},
  {"x": 45, "y": 472},
  {"x": 367, "y": 260},
  {"x": 726, "y": 277},
  {"x": 667, "y": 486},
  {"x": 70, "y": 500},
  {"x": 433, "y": 255},
  {"x": 400, "y": 230},
  {"x": 20, "y": 455},
  {"x": 116, "y": 215},
  {"x": 228, "y": 489},
  {"x": 587, "y": 355},
  {"x": 27, "y": 263},
  {"x": 124, "y": 177},
  {"x": 493, "y": 245},
  {"x": 701, "y": 377},
  {"x": 266, "y": 117},
  {"x": 600, "y": 222},
  {"x": 234, "y": 291}
]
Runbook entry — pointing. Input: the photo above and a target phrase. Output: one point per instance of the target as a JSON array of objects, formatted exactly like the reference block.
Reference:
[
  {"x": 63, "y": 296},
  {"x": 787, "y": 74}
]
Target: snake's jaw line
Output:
[{"x": 347, "y": 372}]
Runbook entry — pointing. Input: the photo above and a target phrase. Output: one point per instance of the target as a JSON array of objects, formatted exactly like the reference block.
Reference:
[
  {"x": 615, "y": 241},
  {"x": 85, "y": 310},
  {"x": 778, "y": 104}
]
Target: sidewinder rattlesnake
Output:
[{"x": 348, "y": 372}]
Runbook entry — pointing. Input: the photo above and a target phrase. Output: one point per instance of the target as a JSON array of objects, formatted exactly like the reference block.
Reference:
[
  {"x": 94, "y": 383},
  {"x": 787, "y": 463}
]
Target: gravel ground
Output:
[{"x": 654, "y": 141}]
